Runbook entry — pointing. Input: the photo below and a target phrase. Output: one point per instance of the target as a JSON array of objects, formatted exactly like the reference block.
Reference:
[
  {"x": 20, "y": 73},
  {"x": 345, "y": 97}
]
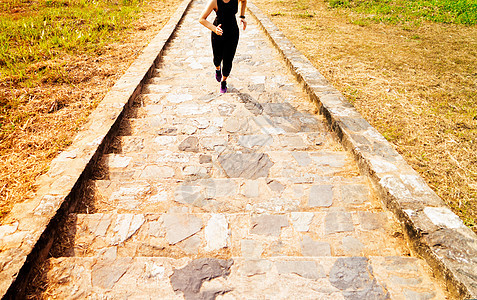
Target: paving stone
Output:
[
  {"x": 211, "y": 143},
  {"x": 226, "y": 109},
  {"x": 303, "y": 158},
  {"x": 106, "y": 273},
  {"x": 194, "y": 171},
  {"x": 153, "y": 172},
  {"x": 189, "y": 279},
  {"x": 250, "y": 189},
  {"x": 275, "y": 186},
  {"x": 254, "y": 267},
  {"x": 180, "y": 226},
  {"x": 279, "y": 109},
  {"x": 301, "y": 220},
  {"x": 306, "y": 269},
  {"x": 352, "y": 246},
  {"x": 125, "y": 226},
  {"x": 292, "y": 142},
  {"x": 118, "y": 161},
  {"x": 354, "y": 277},
  {"x": 354, "y": 194},
  {"x": 219, "y": 187},
  {"x": 250, "y": 141},
  {"x": 217, "y": 232},
  {"x": 338, "y": 221},
  {"x": 309, "y": 247},
  {"x": 190, "y": 144},
  {"x": 371, "y": 221},
  {"x": 268, "y": 224},
  {"x": 410, "y": 294},
  {"x": 191, "y": 245},
  {"x": 188, "y": 194},
  {"x": 205, "y": 159},
  {"x": 250, "y": 248},
  {"x": 320, "y": 196},
  {"x": 245, "y": 165}
]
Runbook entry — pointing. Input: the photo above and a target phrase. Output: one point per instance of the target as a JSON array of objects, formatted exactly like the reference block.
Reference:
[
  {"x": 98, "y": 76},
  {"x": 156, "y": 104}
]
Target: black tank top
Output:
[{"x": 226, "y": 13}]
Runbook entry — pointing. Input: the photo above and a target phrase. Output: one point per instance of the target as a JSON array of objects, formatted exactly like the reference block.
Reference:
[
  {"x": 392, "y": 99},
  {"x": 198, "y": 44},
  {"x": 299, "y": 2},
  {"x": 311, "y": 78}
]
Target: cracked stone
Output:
[
  {"x": 106, "y": 273},
  {"x": 268, "y": 224},
  {"x": 306, "y": 269},
  {"x": 321, "y": 196},
  {"x": 245, "y": 165},
  {"x": 180, "y": 226},
  {"x": 125, "y": 226}
]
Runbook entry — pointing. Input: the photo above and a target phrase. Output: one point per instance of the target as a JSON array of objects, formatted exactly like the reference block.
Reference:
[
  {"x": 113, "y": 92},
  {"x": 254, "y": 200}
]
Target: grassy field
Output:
[
  {"x": 410, "y": 68},
  {"x": 58, "y": 58}
]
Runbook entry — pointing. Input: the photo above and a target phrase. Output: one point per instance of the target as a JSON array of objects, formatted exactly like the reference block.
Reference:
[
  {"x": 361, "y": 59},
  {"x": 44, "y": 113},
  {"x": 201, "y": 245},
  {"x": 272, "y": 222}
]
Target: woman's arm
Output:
[
  {"x": 212, "y": 5},
  {"x": 243, "y": 6}
]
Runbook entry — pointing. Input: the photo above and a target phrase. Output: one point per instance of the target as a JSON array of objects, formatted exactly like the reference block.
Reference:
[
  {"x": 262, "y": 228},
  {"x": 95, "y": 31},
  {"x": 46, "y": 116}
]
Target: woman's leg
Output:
[
  {"x": 230, "y": 47},
  {"x": 217, "y": 50}
]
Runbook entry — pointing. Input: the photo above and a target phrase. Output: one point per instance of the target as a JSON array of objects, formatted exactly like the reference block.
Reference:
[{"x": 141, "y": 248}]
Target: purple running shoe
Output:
[{"x": 223, "y": 87}]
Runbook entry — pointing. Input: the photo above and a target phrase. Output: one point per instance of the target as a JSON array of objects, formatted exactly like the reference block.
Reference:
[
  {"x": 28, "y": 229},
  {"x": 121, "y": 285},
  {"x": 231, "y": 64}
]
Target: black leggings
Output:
[{"x": 224, "y": 48}]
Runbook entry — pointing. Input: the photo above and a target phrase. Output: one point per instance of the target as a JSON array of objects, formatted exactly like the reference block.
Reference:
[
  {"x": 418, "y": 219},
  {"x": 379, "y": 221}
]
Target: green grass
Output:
[
  {"x": 402, "y": 11},
  {"x": 35, "y": 32}
]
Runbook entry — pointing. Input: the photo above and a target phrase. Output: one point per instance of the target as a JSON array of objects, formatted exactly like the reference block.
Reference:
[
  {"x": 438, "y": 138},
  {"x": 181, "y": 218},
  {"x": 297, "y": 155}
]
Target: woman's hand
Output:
[
  {"x": 218, "y": 30},
  {"x": 243, "y": 22}
]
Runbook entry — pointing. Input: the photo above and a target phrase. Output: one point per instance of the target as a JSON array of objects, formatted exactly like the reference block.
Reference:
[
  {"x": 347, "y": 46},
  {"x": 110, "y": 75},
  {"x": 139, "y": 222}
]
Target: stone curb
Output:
[
  {"x": 434, "y": 231},
  {"x": 29, "y": 221}
]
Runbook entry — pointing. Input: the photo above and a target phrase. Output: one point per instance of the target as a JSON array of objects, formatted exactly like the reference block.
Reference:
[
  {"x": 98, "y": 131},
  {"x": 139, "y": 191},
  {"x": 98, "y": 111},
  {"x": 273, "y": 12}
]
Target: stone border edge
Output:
[
  {"x": 434, "y": 231},
  {"x": 26, "y": 233}
]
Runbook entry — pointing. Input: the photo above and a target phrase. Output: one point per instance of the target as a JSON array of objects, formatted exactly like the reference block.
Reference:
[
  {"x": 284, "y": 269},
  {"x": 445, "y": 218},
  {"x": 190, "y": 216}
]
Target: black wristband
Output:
[{"x": 242, "y": 17}]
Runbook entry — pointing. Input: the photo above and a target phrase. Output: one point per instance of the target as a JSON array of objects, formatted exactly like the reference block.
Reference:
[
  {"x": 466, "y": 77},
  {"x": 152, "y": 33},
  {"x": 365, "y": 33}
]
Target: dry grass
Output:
[
  {"x": 416, "y": 84},
  {"x": 41, "y": 121}
]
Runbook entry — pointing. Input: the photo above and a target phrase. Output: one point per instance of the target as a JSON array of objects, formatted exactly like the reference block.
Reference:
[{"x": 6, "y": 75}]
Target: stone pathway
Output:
[{"x": 233, "y": 196}]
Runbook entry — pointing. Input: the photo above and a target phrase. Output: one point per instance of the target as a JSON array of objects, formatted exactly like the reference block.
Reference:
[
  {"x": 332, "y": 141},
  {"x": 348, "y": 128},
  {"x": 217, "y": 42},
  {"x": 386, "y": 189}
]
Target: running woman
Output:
[{"x": 225, "y": 34}]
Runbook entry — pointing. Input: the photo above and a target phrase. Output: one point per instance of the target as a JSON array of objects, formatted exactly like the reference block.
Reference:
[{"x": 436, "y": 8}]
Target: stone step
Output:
[
  {"x": 203, "y": 142},
  {"x": 152, "y": 120},
  {"x": 233, "y": 195},
  {"x": 394, "y": 277},
  {"x": 308, "y": 166},
  {"x": 331, "y": 232}
]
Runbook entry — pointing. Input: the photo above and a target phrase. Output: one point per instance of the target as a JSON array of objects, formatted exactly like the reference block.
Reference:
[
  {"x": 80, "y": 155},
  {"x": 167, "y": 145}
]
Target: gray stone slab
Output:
[
  {"x": 309, "y": 247},
  {"x": 302, "y": 158},
  {"x": 189, "y": 279},
  {"x": 188, "y": 194},
  {"x": 154, "y": 172},
  {"x": 270, "y": 225},
  {"x": 245, "y": 165},
  {"x": 301, "y": 220},
  {"x": 371, "y": 221},
  {"x": 354, "y": 277},
  {"x": 338, "y": 221},
  {"x": 320, "y": 196}
]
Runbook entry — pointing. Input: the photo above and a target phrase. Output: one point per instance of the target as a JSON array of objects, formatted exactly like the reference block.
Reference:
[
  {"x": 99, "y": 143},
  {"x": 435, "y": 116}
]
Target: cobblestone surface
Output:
[{"x": 240, "y": 195}]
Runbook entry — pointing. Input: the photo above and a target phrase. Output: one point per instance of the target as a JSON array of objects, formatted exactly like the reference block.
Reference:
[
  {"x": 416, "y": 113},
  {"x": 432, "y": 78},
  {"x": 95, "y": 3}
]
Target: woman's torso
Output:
[{"x": 226, "y": 13}]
